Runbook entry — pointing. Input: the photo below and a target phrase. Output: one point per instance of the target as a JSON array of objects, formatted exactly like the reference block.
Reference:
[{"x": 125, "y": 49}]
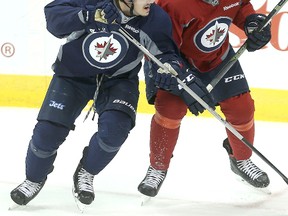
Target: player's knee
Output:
[
  {"x": 167, "y": 122},
  {"x": 40, "y": 153},
  {"x": 239, "y": 110},
  {"x": 114, "y": 128},
  {"x": 48, "y": 136},
  {"x": 170, "y": 106}
]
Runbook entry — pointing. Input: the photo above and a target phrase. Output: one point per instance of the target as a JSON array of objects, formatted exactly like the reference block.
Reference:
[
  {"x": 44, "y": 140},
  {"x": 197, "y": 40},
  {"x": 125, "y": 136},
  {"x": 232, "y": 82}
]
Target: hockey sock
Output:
[
  {"x": 239, "y": 112},
  {"x": 240, "y": 150},
  {"x": 42, "y": 150},
  {"x": 113, "y": 130},
  {"x": 162, "y": 144},
  {"x": 38, "y": 167},
  {"x": 99, "y": 155}
]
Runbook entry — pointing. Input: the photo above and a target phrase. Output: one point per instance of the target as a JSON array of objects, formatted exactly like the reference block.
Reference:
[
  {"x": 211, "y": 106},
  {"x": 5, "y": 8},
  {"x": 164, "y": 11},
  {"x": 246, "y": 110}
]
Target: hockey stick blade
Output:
[
  {"x": 202, "y": 102},
  {"x": 243, "y": 48}
]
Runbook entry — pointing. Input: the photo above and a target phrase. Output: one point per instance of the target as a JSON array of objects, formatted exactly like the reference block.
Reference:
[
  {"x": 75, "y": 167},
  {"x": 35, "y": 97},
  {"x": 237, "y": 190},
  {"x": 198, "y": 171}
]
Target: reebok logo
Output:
[
  {"x": 231, "y": 6},
  {"x": 131, "y": 28},
  {"x": 56, "y": 105}
]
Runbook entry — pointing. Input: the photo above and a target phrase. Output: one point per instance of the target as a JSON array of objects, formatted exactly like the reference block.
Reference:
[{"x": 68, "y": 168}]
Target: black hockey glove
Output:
[
  {"x": 256, "y": 40},
  {"x": 196, "y": 85}
]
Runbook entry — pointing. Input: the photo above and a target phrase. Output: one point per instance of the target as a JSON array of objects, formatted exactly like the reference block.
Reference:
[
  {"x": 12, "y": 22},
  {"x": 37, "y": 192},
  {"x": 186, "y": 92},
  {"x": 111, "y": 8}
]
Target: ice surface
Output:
[{"x": 199, "y": 181}]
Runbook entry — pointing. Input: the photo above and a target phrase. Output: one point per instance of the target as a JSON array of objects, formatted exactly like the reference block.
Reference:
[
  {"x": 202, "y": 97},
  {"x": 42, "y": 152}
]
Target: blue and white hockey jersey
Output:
[{"x": 88, "y": 51}]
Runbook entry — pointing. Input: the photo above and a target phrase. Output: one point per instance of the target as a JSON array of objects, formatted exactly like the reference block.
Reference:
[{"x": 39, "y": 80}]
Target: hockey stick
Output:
[
  {"x": 242, "y": 49},
  {"x": 202, "y": 102}
]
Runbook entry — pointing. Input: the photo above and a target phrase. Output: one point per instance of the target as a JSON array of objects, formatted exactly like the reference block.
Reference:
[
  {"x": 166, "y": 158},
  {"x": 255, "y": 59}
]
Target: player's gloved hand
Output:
[
  {"x": 103, "y": 23},
  {"x": 105, "y": 18},
  {"x": 196, "y": 85},
  {"x": 164, "y": 79},
  {"x": 256, "y": 39},
  {"x": 111, "y": 13}
]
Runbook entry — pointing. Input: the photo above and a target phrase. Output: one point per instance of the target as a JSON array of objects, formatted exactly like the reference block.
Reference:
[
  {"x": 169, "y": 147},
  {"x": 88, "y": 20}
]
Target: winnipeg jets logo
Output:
[
  {"x": 213, "y": 34},
  {"x": 104, "y": 50}
]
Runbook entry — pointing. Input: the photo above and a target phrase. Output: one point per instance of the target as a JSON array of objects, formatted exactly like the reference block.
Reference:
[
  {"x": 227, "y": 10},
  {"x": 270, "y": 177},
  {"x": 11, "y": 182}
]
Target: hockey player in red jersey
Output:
[{"x": 200, "y": 29}]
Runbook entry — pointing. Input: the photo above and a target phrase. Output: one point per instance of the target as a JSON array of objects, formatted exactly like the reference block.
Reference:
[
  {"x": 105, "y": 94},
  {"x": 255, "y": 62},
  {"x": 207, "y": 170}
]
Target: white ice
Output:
[{"x": 199, "y": 181}]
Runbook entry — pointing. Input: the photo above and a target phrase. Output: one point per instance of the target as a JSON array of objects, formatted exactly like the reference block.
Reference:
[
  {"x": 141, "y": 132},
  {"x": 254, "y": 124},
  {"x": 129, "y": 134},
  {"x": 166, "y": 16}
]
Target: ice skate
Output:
[
  {"x": 247, "y": 170},
  {"x": 250, "y": 172},
  {"x": 83, "y": 185},
  {"x": 152, "y": 182},
  {"x": 26, "y": 191}
]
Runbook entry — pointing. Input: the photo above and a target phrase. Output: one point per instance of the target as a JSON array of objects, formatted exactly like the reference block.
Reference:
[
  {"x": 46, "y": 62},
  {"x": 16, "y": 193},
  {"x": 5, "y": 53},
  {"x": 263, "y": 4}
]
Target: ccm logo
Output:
[
  {"x": 234, "y": 78},
  {"x": 187, "y": 79}
]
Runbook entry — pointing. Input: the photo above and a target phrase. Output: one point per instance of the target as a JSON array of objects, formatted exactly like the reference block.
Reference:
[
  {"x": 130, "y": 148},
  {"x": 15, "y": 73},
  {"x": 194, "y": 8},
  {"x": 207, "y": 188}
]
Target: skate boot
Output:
[
  {"x": 152, "y": 182},
  {"x": 247, "y": 170},
  {"x": 26, "y": 191},
  {"x": 83, "y": 184}
]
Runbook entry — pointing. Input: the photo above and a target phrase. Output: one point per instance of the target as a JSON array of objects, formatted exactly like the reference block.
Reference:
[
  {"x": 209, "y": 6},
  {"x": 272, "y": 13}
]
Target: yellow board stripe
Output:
[{"x": 29, "y": 91}]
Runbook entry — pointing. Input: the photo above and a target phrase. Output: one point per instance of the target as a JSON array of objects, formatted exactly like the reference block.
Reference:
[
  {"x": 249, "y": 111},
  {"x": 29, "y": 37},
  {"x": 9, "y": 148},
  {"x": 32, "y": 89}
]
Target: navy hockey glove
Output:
[
  {"x": 105, "y": 18},
  {"x": 196, "y": 85},
  {"x": 256, "y": 40},
  {"x": 164, "y": 79},
  {"x": 111, "y": 13}
]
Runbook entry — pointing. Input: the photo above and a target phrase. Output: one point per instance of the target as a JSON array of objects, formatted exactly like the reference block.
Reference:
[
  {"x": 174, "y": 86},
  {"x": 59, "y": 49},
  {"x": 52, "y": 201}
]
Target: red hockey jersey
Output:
[{"x": 201, "y": 30}]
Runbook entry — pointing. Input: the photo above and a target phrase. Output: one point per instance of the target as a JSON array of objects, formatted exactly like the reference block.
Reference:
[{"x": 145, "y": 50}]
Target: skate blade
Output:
[
  {"x": 81, "y": 207},
  {"x": 15, "y": 206},
  {"x": 145, "y": 200},
  {"x": 262, "y": 190}
]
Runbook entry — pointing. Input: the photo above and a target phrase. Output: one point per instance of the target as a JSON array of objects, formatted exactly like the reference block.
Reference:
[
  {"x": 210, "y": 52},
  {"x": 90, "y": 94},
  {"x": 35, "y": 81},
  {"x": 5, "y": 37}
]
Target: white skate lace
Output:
[
  {"x": 154, "y": 177},
  {"x": 248, "y": 167},
  {"x": 85, "y": 181},
  {"x": 29, "y": 188}
]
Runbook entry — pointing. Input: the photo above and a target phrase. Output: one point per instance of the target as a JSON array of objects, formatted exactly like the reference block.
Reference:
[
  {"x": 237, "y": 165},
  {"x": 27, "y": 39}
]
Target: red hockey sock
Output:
[
  {"x": 240, "y": 150},
  {"x": 162, "y": 144},
  {"x": 239, "y": 112}
]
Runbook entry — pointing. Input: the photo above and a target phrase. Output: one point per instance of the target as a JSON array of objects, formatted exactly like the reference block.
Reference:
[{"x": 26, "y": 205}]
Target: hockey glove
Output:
[
  {"x": 111, "y": 13},
  {"x": 256, "y": 39},
  {"x": 196, "y": 85},
  {"x": 164, "y": 79},
  {"x": 104, "y": 18}
]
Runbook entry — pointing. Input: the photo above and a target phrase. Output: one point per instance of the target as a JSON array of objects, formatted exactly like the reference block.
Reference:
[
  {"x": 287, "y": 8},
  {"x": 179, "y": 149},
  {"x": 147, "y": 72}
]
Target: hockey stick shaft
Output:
[
  {"x": 243, "y": 48},
  {"x": 202, "y": 102}
]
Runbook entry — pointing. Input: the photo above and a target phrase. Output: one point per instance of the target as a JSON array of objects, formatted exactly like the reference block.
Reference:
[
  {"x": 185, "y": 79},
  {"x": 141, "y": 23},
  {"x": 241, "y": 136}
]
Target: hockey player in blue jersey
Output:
[{"x": 96, "y": 63}]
